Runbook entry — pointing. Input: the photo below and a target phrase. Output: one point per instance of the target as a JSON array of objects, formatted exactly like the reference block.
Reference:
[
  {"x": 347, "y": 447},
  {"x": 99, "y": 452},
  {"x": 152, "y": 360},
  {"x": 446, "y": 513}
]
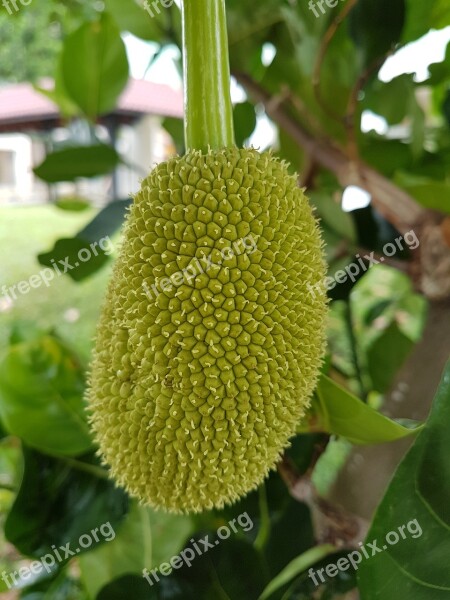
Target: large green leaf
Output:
[
  {"x": 129, "y": 552},
  {"x": 60, "y": 501},
  {"x": 71, "y": 163},
  {"x": 41, "y": 396},
  {"x": 232, "y": 569},
  {"x": 145, "y": 540},
  {"x": 373, "y": 32},
  {"x": 134, "y": 587},
  {"x": 419, "y": 497},
  {"x": 106, "y": 222},
  {"x": 337, "y": 411},
  {"x": 76, "y": 257},
  {"x": 59, "y": 94},
  {"x": 282, "y": 547},
  {"x": 169, "y": 532},
  {"x": 423, "y": 16},
  {"x": 87, "y": 252},
  {"x": 95, "y": 66}
]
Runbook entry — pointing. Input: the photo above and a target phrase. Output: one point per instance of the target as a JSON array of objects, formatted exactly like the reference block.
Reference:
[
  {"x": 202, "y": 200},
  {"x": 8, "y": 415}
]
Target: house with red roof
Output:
[{"x": 31, "y": 126}]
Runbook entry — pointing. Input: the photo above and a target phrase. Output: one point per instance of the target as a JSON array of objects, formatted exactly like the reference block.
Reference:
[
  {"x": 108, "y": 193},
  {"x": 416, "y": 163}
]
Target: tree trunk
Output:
[{"x": 361, "y": 484}]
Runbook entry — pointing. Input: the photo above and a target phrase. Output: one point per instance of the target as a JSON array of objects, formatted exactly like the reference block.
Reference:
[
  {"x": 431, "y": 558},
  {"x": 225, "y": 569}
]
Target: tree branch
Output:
[{"x": 398, "y": 207}]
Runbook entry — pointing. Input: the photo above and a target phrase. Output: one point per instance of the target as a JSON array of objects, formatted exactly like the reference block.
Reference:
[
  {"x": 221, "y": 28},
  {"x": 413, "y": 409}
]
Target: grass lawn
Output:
[{"x": 68, "y": 307}]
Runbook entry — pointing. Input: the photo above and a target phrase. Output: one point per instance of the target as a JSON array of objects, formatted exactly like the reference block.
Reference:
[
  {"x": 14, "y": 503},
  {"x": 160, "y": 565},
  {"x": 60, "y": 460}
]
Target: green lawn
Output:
[{"x": 68, "y": 307}]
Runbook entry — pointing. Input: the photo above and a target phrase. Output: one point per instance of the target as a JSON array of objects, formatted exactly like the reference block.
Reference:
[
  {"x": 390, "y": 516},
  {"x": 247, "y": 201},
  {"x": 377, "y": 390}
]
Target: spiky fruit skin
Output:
[{"x": 195, "y": 389}]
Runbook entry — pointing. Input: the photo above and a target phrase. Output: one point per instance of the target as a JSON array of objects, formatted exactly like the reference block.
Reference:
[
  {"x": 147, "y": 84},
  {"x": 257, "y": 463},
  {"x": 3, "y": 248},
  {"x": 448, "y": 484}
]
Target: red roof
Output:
[{"x": 23, "y": 108}]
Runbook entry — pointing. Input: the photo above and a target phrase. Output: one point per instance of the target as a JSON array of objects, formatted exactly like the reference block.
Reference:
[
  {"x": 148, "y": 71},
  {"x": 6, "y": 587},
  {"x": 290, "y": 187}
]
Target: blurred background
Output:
[{"x": 355, "y": 95}]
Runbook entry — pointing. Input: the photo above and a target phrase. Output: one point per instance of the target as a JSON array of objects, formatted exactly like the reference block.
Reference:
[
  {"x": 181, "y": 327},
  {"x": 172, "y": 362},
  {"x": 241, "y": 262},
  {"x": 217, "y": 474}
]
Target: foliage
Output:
[{"x": 54, "y": 489}]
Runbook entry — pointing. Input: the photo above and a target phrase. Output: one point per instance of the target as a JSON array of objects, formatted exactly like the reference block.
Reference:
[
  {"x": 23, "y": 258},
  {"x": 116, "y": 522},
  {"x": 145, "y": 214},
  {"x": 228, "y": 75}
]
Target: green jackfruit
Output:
[{"x": 211, "y": 337}]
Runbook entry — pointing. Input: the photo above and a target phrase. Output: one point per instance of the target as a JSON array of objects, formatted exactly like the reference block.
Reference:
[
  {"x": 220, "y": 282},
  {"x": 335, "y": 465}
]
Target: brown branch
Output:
[
  {"x": 396, "y": 205},
  {"x": 332, "y": 524}
]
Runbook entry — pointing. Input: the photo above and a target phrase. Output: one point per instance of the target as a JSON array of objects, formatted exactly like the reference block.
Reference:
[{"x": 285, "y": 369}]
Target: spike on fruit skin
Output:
[{"x": 196, "y": 389}]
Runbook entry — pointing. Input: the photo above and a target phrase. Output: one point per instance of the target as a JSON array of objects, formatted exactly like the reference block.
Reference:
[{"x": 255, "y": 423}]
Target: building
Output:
[{"x": 31, "y": 126}]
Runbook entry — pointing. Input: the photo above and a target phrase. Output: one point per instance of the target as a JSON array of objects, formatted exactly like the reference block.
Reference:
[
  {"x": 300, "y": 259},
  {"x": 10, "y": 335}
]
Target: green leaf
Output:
[
  {"x": 145, "y": 540},
  {"x": 95, "y": 66},
  {"x": 232, "y": 569},
  {"x": 244, "y": 122},
  {"x": 423, "y": 16},
  {"x": 73, "y": 203},
  {"x": 106, "y": 222},
  {"x": 130, "y": 552},
  {"x": 76, "y": 257},
  {"x": 61, "y": 587},
  {"x": 339, "y": 412},
  {"x": 386, "y": 156},
  {"x": 390, "y": 100},
  {"x": 294, "y": 154},
  {"x": 296, "y": 567},
  {"x": 282, "y": 547},
  {"x": 133, "y": 17},
  {"x": 51, "y": 494},
  {"x": 446, "y": 108},
  {"x": 428, "y": 192},
  {"x": 128, "y": 586},
  {"x": 417, "y": 127},
  {"x": 87, "y": 252},
  {"x": 372, "y": 31},
  {"x": 83, "y": 161},
  {"x": 59, "y": 94},
  {"x": 334, "y": 217},
  {"x": 386, "y": 355},
  {"x": 175, "y": 128},
  {"x": 418, "y": 497},
  {"x": 41, "y": 396},
  {"x": 440, "y": 72},
  {"x": 169, "y": 532}
]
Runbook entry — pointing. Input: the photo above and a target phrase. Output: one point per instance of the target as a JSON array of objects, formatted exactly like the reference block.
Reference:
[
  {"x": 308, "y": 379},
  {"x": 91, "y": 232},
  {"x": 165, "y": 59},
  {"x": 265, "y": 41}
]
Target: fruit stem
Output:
[{"x": 208, "y": 108}]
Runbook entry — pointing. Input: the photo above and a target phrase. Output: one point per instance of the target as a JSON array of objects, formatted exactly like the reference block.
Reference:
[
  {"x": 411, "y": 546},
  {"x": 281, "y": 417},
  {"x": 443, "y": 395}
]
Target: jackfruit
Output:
[{"x": 212, "y": 333}]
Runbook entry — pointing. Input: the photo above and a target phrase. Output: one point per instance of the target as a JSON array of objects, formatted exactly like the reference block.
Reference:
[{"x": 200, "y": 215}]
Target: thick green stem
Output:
[{"x": 208, "y": 108}]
